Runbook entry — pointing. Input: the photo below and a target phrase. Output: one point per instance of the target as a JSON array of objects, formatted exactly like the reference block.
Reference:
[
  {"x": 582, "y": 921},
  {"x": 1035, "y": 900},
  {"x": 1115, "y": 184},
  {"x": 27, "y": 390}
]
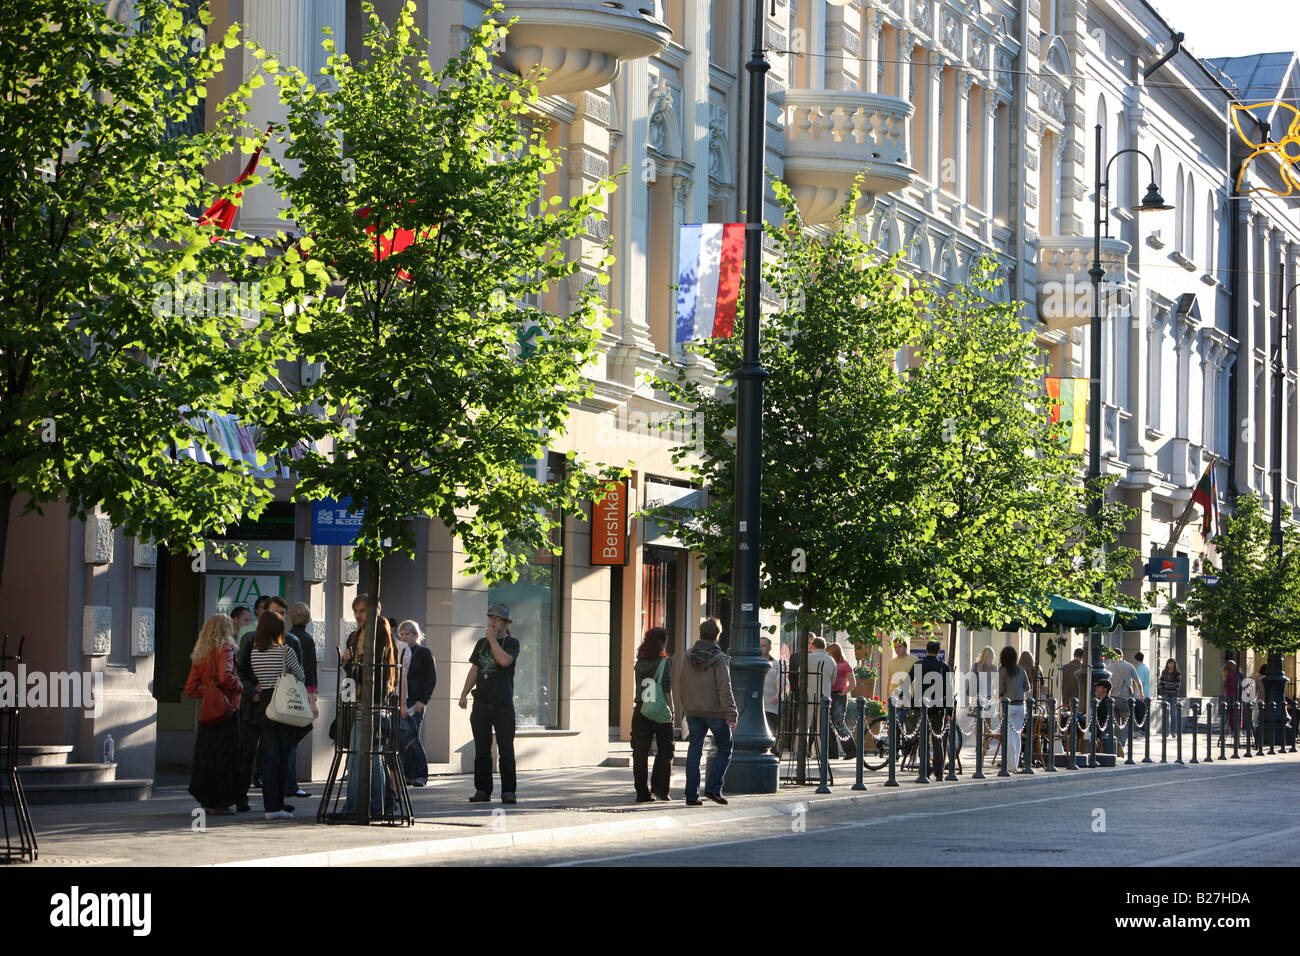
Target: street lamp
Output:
[
  {"x": 1151, "y": 202},
  {"x": 753, "y": 768},
  {"x": 1275, "y": 681}
]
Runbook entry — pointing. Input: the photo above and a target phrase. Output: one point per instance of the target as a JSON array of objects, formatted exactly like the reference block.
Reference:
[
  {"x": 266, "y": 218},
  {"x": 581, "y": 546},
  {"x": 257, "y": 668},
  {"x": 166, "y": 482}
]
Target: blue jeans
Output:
[
  {"x": 698, "y": 727},
  {"x": 276, "y": 740},
  {"x": 415, "y": 764}
]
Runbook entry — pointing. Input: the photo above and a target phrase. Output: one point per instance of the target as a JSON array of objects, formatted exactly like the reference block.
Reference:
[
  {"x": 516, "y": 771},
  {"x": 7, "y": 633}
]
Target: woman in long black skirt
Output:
[{"x": 214, "y": 781}]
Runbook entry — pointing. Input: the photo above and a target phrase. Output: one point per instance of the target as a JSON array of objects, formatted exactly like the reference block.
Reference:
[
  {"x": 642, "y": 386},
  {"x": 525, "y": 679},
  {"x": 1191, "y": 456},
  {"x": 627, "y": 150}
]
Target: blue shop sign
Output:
[{"x": 332, "y": 523}]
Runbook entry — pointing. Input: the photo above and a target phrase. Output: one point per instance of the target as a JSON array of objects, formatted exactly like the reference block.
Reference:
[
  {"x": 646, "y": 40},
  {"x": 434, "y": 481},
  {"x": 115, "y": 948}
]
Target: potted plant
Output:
[{"x": 866, "y": 680}]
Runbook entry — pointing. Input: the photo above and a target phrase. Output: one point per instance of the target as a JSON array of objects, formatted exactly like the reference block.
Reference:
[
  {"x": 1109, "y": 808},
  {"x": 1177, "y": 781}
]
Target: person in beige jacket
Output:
[{"x": 710, "y": 707}]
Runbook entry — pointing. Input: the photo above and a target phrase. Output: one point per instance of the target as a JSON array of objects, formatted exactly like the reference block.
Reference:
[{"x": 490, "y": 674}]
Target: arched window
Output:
[
  {"x": 1211, "y": 253},
  {"x": 1189, "y": 219},
  {"x": 1180, "y": 204}
]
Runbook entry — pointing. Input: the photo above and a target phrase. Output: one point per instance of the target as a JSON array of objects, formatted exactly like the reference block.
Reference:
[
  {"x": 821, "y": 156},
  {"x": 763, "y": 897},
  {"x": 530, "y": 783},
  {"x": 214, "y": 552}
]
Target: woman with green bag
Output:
[{"x": 652, "y": 716}]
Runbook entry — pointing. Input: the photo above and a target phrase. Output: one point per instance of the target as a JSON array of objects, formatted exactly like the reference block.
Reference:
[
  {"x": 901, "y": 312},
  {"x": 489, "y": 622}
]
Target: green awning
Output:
[
  {"x": 1072, "y": 614},
  {"x": 1131, "y": 620}
]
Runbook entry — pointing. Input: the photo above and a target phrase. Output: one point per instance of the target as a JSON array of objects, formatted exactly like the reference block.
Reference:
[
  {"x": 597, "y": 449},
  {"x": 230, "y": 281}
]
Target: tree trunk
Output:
[
  {"x": 370, "y": 690},
  {"x": 7, "y": 495}
]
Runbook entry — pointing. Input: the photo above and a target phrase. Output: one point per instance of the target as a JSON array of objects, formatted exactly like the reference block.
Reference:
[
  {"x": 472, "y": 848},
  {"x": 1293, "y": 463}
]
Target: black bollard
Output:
[
  {"x": 1195, "y": 706},
  {"x": 1236, "y": 728},
  {"x": 1073, "y": 731},
  {"x": 979, "y": 739},
  {"x": 1006, "y": 716},
  {"x": 1146, "y": 731},
  {"x": 1272, "y": 737},
  {"x": 1223, "y": 727},
  {"x": 893, "y": 742},
  {"x": 1247, "y": 723},
  {"x": 826, "y": 743},
  {"x": 1093, "y": 731},
  {"x": 952, "y": 747},
  {"x": 1294, "y": 730},
  {"x": 1178, "y": 728},
  {"x": 1128, "y": 742},
  {"x": 1049, "y": 762},
  {"x": 1164, "y": 738},
  {"x": 862, "y": 732},
  {"x": 923, "y": 728},
  {"x": 1209, "y": 726},
  {"x": 1028, "y": 727}
]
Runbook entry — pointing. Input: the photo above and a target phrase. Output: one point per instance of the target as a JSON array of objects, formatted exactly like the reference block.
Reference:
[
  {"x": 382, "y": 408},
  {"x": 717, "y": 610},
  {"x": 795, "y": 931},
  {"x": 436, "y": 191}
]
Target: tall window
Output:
[
  {"x": 1049, "y": 184},
  {"x": 535, "y": 600},
  {"x": 1189, "y": 219},
  {"x": 1002, "y": 163},
  {"x": 917, "y": 95},
  {"x": 1211, "y": 258},
  {"x": 1180, "y": 205},
  {"x": 948, "y": 117},
  {"x": 975, "y": 146}
]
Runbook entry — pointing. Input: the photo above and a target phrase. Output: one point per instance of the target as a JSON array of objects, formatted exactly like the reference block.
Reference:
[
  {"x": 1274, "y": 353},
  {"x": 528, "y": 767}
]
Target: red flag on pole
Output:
[{"x": 222, "y": 212}]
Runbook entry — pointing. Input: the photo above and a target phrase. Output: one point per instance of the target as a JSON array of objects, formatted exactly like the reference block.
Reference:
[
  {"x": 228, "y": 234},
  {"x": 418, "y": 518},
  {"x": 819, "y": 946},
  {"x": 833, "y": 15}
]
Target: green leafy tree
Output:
[
  {"x": 106, "y": 329},
  {"x": 441, "y": 376},
  {"x": 1256, "y": 602},
  {"x": 933, "y": 492}
]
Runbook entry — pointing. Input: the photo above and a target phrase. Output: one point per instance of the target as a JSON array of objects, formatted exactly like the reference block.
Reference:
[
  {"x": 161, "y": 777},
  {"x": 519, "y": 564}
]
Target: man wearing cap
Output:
[{"x": 492, "y": 677}]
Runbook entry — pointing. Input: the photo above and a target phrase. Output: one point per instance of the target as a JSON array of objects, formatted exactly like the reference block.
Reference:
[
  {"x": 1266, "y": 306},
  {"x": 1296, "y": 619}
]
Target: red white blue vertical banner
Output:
[{"x": 709, "y": 260}]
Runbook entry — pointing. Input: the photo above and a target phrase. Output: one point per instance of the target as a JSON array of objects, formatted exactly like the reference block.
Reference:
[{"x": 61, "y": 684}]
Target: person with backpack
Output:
[
  {"x": 652, "y": 717},
  {"x": 710, "y": 707},
  {"x": 214, "y": 781}
]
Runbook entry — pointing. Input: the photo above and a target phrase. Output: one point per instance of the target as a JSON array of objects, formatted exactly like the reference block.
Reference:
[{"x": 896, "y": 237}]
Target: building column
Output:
[
  {"x": 871, "y": 49},
  {"x": 631, "y": 239},
  {"x": 285, "y": 29},
  {"x": 906, "y": 42},
  {"x": 933, "y": 130},
  {"x": 843, "y": 48}
]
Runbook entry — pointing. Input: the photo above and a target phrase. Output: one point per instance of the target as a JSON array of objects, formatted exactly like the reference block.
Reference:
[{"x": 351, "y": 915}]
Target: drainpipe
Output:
[
  {"x": 1177, "y": 41},
  {"x": 1019, "y": 175}
]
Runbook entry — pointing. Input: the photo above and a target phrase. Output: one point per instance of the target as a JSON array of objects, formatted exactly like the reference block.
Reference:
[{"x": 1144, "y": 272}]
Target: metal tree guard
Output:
[{"x": 20, "y": 837}]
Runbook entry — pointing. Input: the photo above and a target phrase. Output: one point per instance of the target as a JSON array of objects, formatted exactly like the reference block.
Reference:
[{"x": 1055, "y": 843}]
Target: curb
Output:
[{"x": 385, "y": 852}]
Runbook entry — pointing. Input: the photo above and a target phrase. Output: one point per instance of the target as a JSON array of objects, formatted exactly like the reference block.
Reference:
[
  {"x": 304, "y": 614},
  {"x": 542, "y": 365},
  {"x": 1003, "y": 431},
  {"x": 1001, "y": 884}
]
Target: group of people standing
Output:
[{"x": 236, "y": 665}]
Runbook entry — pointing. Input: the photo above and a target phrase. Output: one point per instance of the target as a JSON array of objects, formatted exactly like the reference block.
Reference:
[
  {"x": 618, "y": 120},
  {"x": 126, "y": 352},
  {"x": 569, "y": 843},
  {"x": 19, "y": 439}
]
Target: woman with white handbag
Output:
[{"x": 279, "y": 704}]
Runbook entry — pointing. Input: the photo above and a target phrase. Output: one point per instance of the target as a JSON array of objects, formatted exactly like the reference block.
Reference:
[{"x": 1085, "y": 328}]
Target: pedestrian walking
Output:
[
  {"x": 985, "y": 706},
  {"x": 1232, "y": 692},
  {"x": 772, "y": 692},
  {"x": 1144, "y": 691},
  {"x": 1013, "y": 683},
  {"x": 421, "y": 679},
  {"x": 492, "y": 677},
  {"x": 710, "y": 707},
  {"x": 821, "y": 678},
  {"x": 1169, "y": 687},
  {"x": 652, "y": 717},
  {"x": 271, "y": 657},
  {"x": 935, "y": 692},
  {"x": 842, "y": 684},
  {"x": 386, "y": 678},
  {"x": 214, "y": 780}
]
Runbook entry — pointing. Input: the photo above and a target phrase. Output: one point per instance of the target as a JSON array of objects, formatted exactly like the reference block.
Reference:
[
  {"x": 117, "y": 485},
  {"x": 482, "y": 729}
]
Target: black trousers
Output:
[
  {"x": 250, "y": 735},
  {"x": 643, "y": 731},
  {"x": 484, "y": 720}
]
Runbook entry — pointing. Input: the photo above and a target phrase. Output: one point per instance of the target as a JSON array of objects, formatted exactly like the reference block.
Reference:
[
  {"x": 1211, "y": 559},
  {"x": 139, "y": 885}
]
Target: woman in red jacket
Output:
[{"x": 214, "y": 781}]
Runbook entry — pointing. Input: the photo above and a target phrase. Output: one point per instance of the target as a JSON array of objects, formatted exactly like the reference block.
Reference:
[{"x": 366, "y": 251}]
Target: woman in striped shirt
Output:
[{"x": 269, "y": 658}]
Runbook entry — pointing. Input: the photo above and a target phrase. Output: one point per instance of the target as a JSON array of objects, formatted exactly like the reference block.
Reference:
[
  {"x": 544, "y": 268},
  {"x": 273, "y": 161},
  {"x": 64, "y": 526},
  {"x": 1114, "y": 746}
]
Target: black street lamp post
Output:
[
  {"x": 754, "y": 767},
  {"x": 1151, "y": 202},
  {"x": 1275, "y": 681}
]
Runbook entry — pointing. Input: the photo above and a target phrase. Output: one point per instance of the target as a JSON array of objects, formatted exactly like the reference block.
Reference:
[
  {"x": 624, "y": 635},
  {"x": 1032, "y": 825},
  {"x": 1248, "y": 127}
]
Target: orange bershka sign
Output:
[{"x": 609, "y": 526}]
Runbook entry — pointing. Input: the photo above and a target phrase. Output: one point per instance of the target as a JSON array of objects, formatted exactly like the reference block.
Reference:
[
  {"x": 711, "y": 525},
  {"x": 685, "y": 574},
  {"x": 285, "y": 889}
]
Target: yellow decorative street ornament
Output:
[{"x": 1287, "y": 150}]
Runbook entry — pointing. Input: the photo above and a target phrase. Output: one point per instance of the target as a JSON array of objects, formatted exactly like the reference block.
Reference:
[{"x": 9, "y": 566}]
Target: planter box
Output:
[{"x": 865, "y": 688}]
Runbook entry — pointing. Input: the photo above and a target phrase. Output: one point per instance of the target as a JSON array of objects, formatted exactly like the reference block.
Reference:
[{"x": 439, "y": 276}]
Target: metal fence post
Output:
[
  {"x": 1223, "y": 726},
  {"x": 952, "y": 746},
  {"x": 1128, "y": 741},
  {"x": 1049, "y": 762},
  {"x": 1164, "y": 737},
  {"x": 979, "y": 738},
  {"x": 1028, "y": 727},
  {"x": 923, "y": 728},
  {"x": 1195, "y": 706},
  {"x": 1178, "y": 718},
  {"x": 1146, "y": 731},
  {"x": 1248, "y": 723},
  {"x": 1235, "y": 711},
  {"x": 1092, "y": 737},
  {"x": 1006, "y": 734},
  {"x": 1073, "y": 731},
  {"x": 893, "y": 742},
  {"x": 1209, "y": 735},
  {"x": 826, "y": 743},
  {"x": 862, "y": 732}
]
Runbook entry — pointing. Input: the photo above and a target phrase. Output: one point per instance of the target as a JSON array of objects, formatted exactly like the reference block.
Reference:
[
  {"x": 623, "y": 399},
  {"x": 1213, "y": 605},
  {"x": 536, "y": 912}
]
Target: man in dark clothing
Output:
[
  {"x": 492, "y": 675},
  {"x": 934, "y": 692},
  {"x": 1074, "y": 678},
  {"x": 421, "y": 679}
]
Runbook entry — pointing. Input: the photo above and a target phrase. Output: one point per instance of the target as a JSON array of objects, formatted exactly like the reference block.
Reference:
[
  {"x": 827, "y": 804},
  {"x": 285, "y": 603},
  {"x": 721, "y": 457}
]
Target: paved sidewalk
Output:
[{"x": 555, "y": 806}]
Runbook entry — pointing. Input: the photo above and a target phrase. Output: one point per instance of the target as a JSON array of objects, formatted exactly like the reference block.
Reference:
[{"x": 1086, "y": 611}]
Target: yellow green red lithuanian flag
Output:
[{"x": 1072, "y": 412}]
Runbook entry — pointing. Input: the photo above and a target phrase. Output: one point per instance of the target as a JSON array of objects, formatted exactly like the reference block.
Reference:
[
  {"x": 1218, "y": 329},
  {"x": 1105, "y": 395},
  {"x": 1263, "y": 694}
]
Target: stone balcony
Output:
[
  {"x": 1065, "y": 295},
  {"x": 833, "y": 135},
  {"x": 580, "y": 45}
]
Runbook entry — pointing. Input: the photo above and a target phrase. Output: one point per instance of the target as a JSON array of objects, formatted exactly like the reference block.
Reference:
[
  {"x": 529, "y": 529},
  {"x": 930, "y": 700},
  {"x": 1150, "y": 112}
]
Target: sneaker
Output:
[
  {"x": 299, "y": 793},
  {"x": 507, "y": 798},
  {"x": 716, "y": 798},
  {"x": 287, "y": 806},
  {"x": 480, "y": 797},
  {"x": 645, "y": 798},
  {"x": 695, "y": 803},
  {"x": 278, "y": 815}
]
